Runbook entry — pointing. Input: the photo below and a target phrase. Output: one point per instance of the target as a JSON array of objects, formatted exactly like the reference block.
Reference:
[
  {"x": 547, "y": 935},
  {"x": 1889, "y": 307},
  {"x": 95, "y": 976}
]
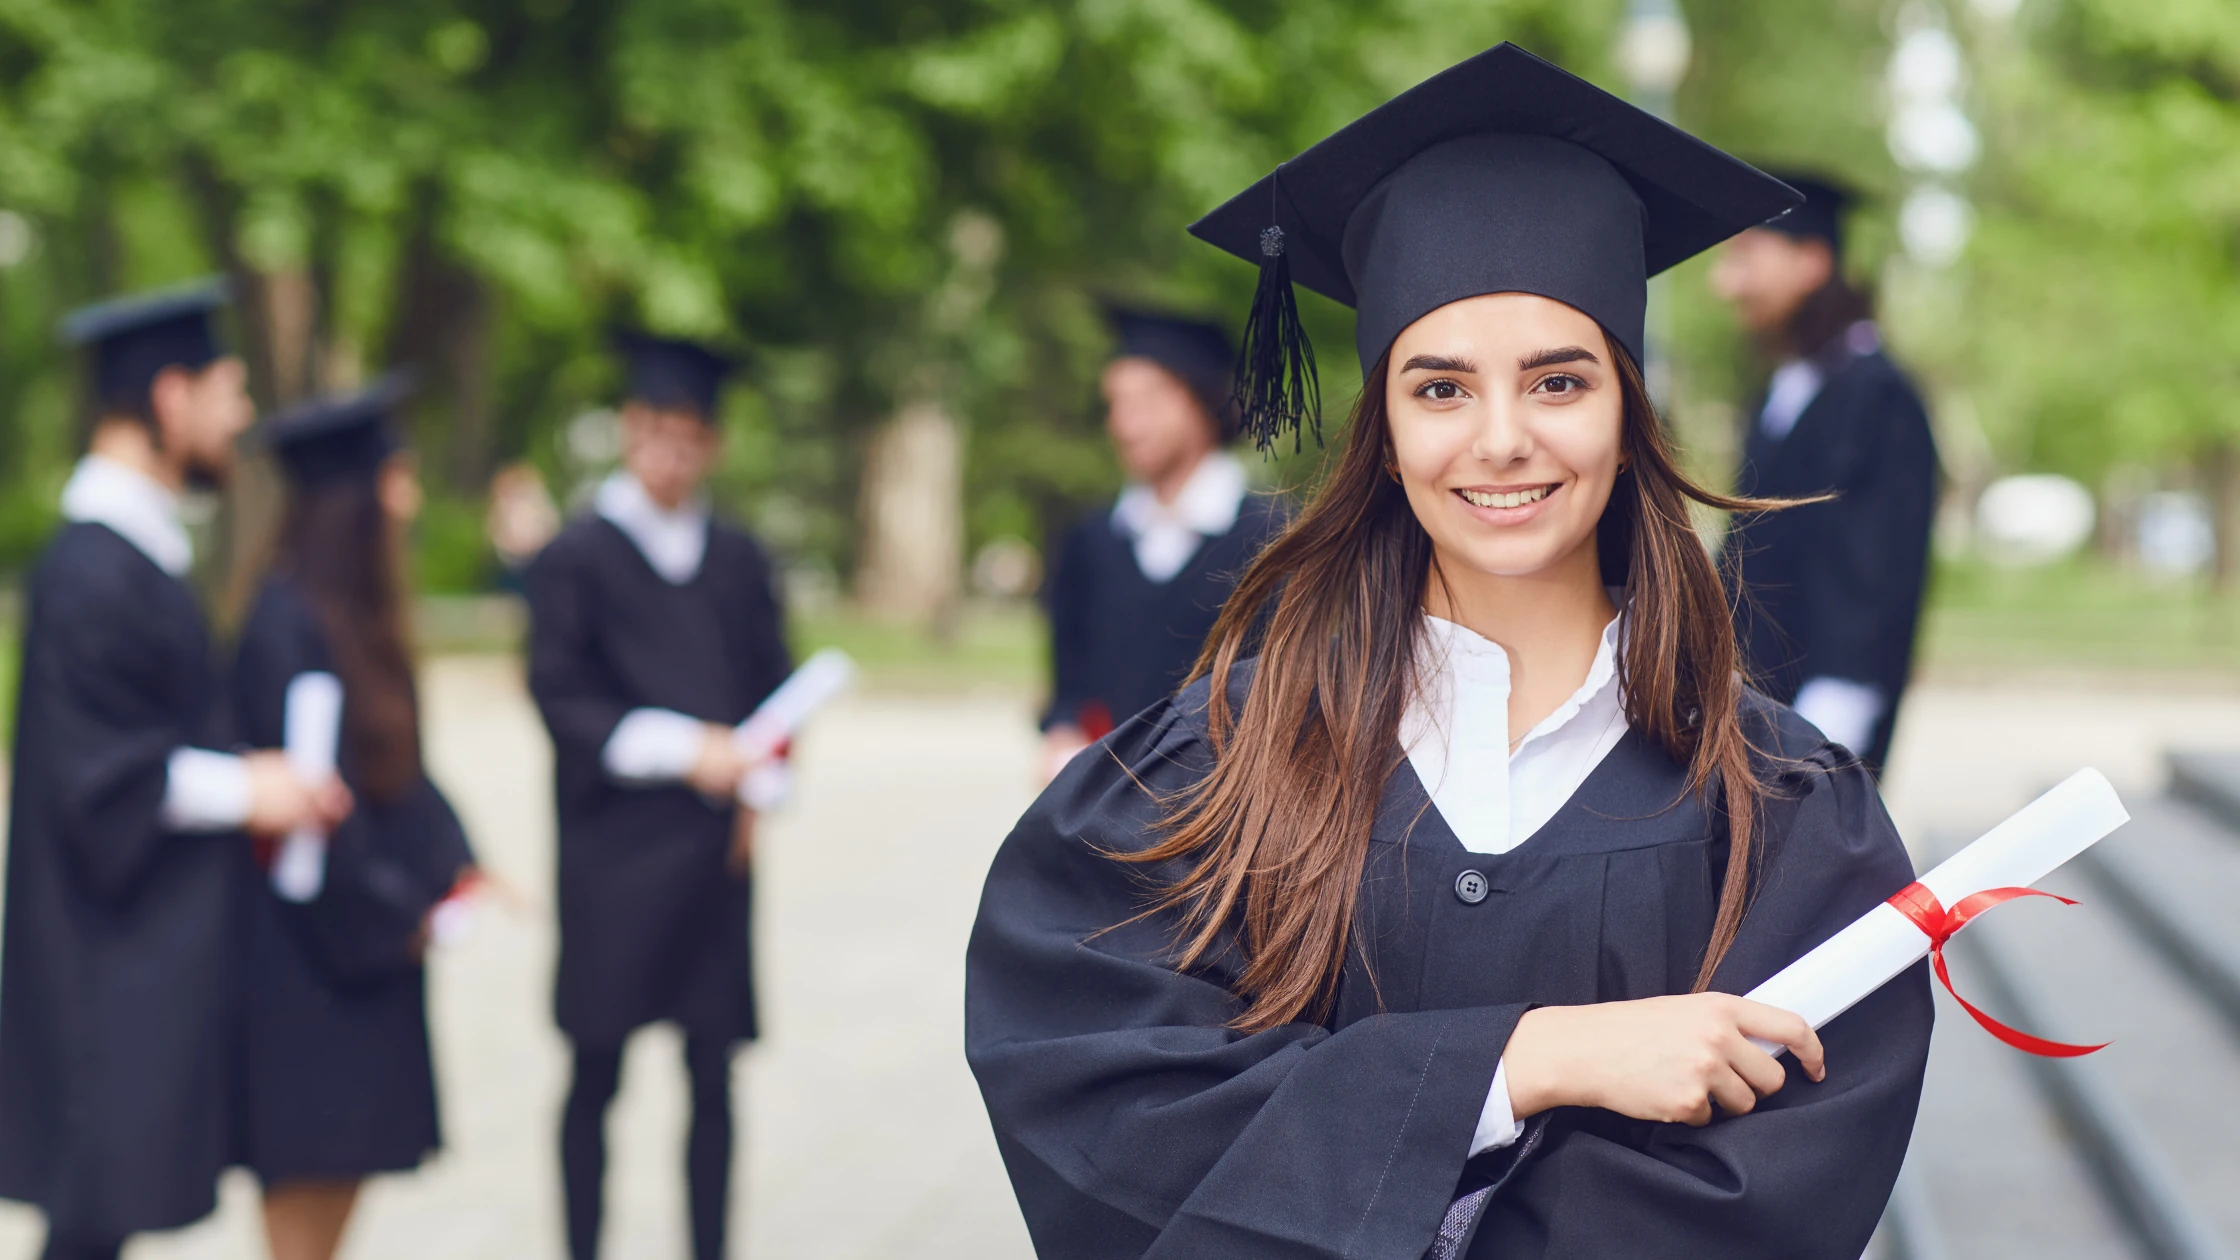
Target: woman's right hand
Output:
[{"x": 1660, "y": 1058}]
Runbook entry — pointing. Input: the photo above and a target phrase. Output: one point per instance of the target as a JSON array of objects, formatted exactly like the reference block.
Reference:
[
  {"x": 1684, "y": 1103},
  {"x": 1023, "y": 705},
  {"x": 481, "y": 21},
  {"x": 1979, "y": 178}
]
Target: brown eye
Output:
[
  {"x": 1439, "y": 391},
  {"x": 1561, "y": 383}
]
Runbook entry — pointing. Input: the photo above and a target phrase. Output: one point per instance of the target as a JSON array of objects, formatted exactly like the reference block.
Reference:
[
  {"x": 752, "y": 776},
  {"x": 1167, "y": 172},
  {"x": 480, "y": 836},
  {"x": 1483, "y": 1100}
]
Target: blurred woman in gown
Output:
[{"x": 336, "y": 1080}]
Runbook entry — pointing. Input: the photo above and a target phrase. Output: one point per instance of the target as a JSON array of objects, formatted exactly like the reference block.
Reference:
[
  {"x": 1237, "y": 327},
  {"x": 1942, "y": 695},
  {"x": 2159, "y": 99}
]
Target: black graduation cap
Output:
[
  {"x": 1501, "y": 174},
  {"x": 136, "y": 337},
  {"x": 668, "y": 372},
  {"x": 327, "y": 439},
  {"x": 1195, "y": 350},
  {"x": 1826, "y": 201}
]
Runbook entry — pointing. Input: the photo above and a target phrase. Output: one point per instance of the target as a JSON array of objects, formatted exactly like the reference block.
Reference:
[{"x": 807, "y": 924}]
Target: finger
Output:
[
  {"x": 1732, "y": 1093},
  {"x": 1761, "y": 1071},
  {"x": 1771, "y": 1023},
  {"x": 1699, "y": 1117}
]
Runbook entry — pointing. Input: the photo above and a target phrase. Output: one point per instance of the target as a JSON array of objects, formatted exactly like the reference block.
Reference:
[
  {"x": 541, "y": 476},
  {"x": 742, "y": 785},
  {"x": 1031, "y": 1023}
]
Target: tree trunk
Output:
[
  {"x": 445, "y": 315},
  {"x": 912, "y": 567},
  {"x": 2222, "y": 470}
]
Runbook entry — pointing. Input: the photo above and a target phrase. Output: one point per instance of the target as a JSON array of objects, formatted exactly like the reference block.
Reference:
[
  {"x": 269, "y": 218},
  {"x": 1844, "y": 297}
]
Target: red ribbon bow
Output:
[{"x": 1924, "y": 911}]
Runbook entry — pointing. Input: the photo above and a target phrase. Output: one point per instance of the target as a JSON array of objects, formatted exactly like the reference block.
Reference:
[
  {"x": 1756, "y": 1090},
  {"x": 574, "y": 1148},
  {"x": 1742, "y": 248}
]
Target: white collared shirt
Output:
[
  {"x": 202, "y": 790},
  {"x": 142, "y": 510},
  {"x": 1493, "y": 798},
  {"x": 673, "y": 541},
  {"x": 1166, "y": 535}
]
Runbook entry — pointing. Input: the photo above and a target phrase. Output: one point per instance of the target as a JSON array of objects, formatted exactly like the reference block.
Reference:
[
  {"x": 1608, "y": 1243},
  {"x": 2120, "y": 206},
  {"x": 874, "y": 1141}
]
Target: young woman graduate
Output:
[
  {"x": 654, "y": 629},
  {"x": 1134, "y": 586},
  {"x": 125, "y": 819},
  {"x": 336, "y": 1082},
  {"x": 1417, "y": 932}
]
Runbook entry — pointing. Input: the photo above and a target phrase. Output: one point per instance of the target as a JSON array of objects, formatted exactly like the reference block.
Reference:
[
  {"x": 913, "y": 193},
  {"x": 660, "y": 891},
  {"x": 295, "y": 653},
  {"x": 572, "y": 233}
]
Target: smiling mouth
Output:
[{"x": 1517, "y": 498}]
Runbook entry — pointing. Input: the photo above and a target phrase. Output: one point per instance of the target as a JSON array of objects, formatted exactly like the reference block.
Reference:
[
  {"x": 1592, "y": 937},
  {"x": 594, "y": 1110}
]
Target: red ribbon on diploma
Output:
[{"x": 1924, "y": 911}]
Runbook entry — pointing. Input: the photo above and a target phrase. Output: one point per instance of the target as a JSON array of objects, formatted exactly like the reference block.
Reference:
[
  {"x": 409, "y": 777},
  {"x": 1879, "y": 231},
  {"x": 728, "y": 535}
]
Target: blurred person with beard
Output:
[
  {"x": 1135, "y": 587},
  {"x": 336, "y": 1079},
  {"x": 1827, "y": 595},
  {"x": 655, "y": 628},
  {"x": 116, "y": 993}
]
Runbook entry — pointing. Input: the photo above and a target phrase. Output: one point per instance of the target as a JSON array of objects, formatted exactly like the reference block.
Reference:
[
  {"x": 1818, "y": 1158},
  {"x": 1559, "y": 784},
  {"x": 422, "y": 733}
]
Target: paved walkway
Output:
[{"x": 863, "y": 1132}]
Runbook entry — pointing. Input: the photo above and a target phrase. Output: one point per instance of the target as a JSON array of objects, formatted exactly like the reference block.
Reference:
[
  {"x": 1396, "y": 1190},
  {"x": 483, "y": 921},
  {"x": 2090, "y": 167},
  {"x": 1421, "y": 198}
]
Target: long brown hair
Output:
[
  {"x": 337, "y": 545},
  {"x": 1275, "y": 837}
]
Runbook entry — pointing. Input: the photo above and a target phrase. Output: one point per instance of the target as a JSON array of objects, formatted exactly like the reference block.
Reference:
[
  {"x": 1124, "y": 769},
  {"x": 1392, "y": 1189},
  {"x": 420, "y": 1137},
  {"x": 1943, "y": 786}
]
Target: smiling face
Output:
[{"x": 1506, "y": 418}]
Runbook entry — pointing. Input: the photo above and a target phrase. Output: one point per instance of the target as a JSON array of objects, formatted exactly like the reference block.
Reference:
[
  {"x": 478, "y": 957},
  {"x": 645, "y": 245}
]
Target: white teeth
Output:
[{"x": 1485, "y": 499}]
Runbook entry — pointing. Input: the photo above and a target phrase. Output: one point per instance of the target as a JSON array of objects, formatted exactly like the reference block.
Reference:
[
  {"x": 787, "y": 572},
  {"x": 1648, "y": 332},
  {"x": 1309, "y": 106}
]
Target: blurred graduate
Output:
[
  {"x": 336, "y": 1081},
  {"x": 655, "y": 627},
  {"x": 1828, "y": 594},
  {"x": 1134, "y": 587},
  {"x": 1415, "y": 927},
  {"x": 125, "y": 848}
]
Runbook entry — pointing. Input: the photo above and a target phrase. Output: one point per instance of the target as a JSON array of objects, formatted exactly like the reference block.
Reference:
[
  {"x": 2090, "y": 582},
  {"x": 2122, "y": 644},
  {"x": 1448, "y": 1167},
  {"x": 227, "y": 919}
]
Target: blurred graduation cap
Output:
[
  {"x": 669, "y": 372},
  {"x": 1196, "y": 351},
  {"x": 1826, "y": 201},
  {"x": 134, "y": 338},
  {"x": 1501, "y": 174},
  {"x": 328, "y": 439}
]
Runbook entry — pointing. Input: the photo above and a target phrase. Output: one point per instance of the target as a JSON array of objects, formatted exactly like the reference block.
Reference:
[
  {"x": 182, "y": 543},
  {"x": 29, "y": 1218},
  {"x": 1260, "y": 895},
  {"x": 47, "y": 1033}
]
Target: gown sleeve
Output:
[
  {"x": 114, "y": 730},
  {"x": 1806, "y": 1174},
  {"x": 580, "y": 701},
  {"x": 1064, "y": 601},
  {"x": 1133, "y": 1122}
]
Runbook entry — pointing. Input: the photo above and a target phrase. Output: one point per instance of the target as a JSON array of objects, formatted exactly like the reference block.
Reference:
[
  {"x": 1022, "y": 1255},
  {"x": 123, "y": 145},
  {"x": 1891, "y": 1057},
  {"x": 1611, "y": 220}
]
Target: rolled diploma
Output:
[
  {"x": 2017, "y": 853},
  {"x": 311, "y": 727},
  {"x": 777, "y": 719}
]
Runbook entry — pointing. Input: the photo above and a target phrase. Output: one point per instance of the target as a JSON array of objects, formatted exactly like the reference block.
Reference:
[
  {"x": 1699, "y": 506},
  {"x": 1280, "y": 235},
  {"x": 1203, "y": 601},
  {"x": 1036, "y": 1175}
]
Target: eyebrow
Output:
[
  {"x": 1562, "y": 354},
  {"x": 1438, "y": 363}
]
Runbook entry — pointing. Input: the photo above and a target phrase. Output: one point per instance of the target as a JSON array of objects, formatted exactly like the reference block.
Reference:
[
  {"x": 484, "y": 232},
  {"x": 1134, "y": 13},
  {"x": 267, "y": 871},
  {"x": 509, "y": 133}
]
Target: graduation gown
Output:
[
  {"x": 115, "y": 977},
  {"x": 1120, "y": 641},
  {"x": 653, "y": 924},
  {"x": 1834, "y": 589},
  {"x": 336, "y": 1079},
  {"x": 1135, "y": 1123}
]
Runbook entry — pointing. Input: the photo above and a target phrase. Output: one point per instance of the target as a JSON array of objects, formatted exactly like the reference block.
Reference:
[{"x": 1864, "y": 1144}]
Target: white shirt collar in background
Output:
[
  {"x": 1796, "y": 383},
  {"x": 674, "y": 543},
  {"x": 1456, "y": 733},
  {"x": 142, "y": 510},
  {"x": 1166, "y": 535}
]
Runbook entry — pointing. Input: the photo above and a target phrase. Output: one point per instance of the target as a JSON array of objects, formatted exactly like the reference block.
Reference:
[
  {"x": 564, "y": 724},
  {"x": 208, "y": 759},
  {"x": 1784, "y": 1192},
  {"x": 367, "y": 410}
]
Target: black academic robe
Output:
[
  {"x": 653, "y": 923},
  {"x": 115, "y": 980},
  {"x": 1135, "y": 1123},
  {"x": 1834, "y": 589},
  {"x": 1118, "y": 640},
  {"x": 336, "y": 1079}
]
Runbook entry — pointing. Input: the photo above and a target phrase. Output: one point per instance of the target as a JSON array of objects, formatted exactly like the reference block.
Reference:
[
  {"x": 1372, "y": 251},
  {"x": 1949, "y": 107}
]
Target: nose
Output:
[{"x": 1502, "y": 438}]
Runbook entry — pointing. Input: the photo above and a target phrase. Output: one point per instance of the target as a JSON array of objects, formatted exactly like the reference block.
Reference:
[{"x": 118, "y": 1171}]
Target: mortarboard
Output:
[
  {"x": 135, "y": 338},
  {"x": 327, "y": 439},
  {"x": 1501, "y": 174},
  {"x": 1820, "y": 218},
  {"x": 667, "y": 372},
  {"x": 1196, "y": 351}
]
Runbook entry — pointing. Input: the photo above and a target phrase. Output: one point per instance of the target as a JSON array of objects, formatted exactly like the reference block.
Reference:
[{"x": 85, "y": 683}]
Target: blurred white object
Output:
[
  {"x": 1006, "y": 568},
  {"x": 2032, "y": 519},
  {"x": 1933, "y": 136},
  {"x": 2176, "y": 535},
  {"x": 1926, "y": 64},
  {"x": 817, "y": 682},
  {"x": 16, "y": 238},
  {"x": 1654, "y": 47},
  {"x": 311, "y": 728},
  {"x": 1935, "y": 224}
]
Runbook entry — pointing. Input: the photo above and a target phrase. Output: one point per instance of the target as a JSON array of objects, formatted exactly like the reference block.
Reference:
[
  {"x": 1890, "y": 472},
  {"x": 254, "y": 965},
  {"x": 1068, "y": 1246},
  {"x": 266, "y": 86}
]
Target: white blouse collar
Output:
[
  {"x": 1456, "y": 734},
  {"x": 673, "y": 541},
  {"x": 142, "y": 510}
]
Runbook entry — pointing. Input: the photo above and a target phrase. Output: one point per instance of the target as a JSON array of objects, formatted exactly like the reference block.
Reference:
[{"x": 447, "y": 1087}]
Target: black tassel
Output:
[{"x": 1277, "y": 388}]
